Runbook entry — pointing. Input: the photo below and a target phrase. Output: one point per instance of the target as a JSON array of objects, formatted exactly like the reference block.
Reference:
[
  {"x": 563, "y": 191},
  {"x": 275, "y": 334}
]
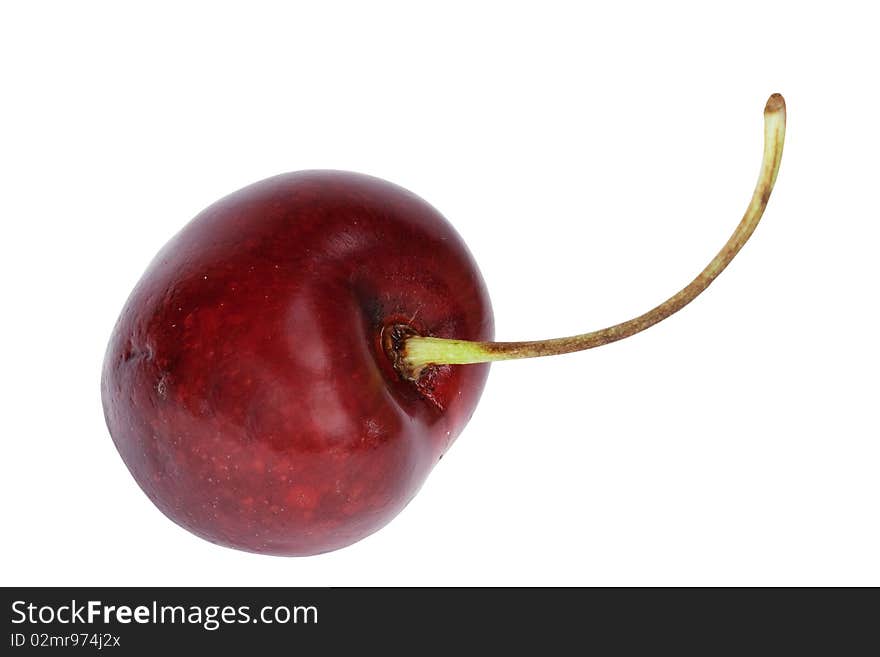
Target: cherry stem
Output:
[{"x": 416, "y": 352}]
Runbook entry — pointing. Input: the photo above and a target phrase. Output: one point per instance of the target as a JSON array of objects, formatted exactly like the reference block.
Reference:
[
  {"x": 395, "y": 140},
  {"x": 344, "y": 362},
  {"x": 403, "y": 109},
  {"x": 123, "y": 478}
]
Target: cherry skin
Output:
[{"x": 247, "y": 384}]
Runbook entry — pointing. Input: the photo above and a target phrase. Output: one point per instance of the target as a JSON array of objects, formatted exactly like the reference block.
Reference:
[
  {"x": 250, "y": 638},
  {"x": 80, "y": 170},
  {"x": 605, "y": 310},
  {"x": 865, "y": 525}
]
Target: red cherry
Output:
[
  {"x": 297, "y": 359},
  {"x": 246, "y": 384}
]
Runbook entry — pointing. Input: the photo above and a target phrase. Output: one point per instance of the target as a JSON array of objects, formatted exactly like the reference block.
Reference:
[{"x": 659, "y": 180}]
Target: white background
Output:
[{"x": 593, "y": 157}]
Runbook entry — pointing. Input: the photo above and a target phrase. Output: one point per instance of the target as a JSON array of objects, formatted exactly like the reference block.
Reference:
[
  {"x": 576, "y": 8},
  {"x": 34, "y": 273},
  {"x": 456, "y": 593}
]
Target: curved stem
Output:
[{"x": 416, "y": 352}]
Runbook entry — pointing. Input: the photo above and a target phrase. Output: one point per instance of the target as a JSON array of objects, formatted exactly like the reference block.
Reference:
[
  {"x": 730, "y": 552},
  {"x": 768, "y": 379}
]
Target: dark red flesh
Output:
[{"x": 246, "y": 386}]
